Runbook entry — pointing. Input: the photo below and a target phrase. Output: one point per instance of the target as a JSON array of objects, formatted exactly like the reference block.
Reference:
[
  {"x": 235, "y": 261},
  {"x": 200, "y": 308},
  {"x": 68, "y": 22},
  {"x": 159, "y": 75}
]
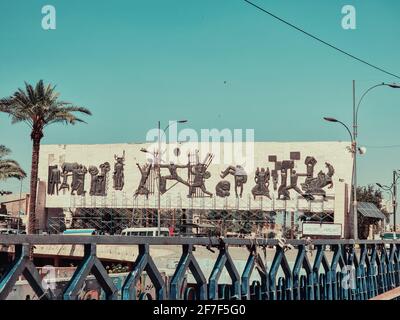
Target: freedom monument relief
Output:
[{"x": 291, "y": 176}]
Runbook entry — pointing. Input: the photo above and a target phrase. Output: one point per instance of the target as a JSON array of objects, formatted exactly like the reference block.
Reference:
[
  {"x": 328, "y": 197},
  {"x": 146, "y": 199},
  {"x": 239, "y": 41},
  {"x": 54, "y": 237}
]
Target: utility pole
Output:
[
  {"x": 19, "y": 206},
  {"x": 157, "y": 158},
  {"x": 159, "y": 180},
  {"x": 393, "y": 191},
  {"x": 354, "y": 150},
  {"x": 394, "y": 198}
]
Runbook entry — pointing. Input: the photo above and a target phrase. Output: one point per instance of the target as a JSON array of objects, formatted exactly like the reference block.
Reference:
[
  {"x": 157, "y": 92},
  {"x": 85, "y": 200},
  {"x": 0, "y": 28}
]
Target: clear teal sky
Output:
[{"x": 218, "y": 63}]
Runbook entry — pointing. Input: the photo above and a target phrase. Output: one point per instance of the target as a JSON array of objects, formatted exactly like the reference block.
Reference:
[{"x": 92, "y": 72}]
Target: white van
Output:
[
  {"x": 8, "y": 231},
  {"x": 145, "y": 232}
]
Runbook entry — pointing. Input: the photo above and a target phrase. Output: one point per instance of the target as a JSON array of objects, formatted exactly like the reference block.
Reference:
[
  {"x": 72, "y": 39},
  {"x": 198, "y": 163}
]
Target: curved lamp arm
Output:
[
  {"x": 343, "y": 124},
  {"x": 348, "y": 130},
  {"x": 384, "y": 187},
  {"x": 364, "y": 94},
  {"x": 173, "y": 122},
  {"x": 394, "y": 86},
  {"x": 163, "y": 132}
]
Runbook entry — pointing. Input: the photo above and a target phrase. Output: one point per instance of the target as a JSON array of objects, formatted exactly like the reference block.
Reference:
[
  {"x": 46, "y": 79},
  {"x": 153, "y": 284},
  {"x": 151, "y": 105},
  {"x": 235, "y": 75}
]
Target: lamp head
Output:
[
  {"x": 330, "y": 119},
  {"x": 362, "y": 150},
  {"x": 394, "y": 85}
]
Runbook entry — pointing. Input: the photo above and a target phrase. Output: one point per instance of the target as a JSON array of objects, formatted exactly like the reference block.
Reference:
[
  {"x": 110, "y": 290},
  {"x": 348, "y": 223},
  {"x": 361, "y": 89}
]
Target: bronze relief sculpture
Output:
[
  {"x": 261, "y": 179},
  {"x": 77, "y": 172},
  {"x": 240, "y": 177},
  {"x": 311, "y": 186},
  {"x": 98, "y": 182},
  {"x": 197, "y": 175},
  {"x": 78, "y": 180},
  {"x": 314, "y": 186},
  {"x": 173, "y": 175},
  {"x": 143, "y": 188},
  {"x": 283, "y": 193},
  {"x": 53, "y": 180},
  {"x": 294, "y": 177},
  {"x": 222, "y": 189},
  {"x": 200, "y": 174},
  {"x": 286, "y": 180},
  {"x": 118, "y": 175},
  {"x": 64, "y": 183}
]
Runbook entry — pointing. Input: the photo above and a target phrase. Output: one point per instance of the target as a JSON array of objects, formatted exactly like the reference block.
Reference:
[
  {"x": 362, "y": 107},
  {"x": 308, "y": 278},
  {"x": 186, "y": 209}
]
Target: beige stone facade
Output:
[{"x": 249, "y": 156}]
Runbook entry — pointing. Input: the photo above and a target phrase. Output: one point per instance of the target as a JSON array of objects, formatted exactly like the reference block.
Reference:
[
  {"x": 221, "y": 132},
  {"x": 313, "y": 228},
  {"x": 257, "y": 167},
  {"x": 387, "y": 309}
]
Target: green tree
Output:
[
  {"x": 9, "y": 168},
  {"x": 370, "y": 194},
  {"x": 373, "y": 195},
  {"x": 38, "y": 107}
]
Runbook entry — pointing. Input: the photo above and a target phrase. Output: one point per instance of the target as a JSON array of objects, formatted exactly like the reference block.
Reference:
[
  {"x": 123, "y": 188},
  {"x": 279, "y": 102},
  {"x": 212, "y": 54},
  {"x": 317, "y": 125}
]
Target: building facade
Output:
[{"x": 291, "y": 177}]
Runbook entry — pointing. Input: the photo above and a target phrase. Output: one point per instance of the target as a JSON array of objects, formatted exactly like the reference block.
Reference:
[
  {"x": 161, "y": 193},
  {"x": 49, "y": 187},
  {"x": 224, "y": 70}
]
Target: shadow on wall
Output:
[{"x": 91, "y": 289}]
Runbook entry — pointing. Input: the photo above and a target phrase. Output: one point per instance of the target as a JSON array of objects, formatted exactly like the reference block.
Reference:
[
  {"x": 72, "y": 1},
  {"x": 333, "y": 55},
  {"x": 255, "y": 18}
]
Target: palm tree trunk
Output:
[{"x": 33, "y": 186}]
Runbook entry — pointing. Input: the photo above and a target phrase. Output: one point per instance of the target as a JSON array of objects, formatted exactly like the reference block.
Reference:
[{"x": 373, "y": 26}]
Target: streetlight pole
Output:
[
  {"x": 393, "y": 190},
  {"x": 394, "y": 200},
  {"x": 159, "y": 180},
  {"x": 159, "y": 172},
  {"x": 353, "y": 178},
  {"x": 354, "y": 148},
  {"x": 19, "y": 205}
]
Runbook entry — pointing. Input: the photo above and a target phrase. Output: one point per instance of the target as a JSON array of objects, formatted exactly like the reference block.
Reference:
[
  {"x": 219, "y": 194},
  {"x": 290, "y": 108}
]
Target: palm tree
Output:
[
  {"x": 9, "y": 168},
  {"x": 38, "y": 107}
]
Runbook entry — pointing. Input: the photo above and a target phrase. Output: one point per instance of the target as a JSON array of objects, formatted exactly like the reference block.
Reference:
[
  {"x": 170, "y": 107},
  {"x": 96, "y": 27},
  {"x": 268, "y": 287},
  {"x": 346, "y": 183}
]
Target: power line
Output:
[
  {"x": 384, "y": 147},
  {"x": 322, "y": 41}
]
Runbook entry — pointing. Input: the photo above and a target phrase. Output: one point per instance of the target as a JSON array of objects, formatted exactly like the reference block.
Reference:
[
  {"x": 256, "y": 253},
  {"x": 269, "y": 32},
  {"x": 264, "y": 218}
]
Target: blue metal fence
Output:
[{"x": 357, "y": 270}]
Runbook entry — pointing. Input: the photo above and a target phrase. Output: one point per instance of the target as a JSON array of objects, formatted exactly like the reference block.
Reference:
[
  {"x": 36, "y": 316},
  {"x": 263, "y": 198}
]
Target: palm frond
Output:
[
  {"x": 39, "y": 106},
  {"x": 31, "y": 93},
  {"x": 9, "y": 168},
  {"x": 4, "y": 151},
  {"x": 64, "y": 120},
  {"x": 77, "y": 109},
  {"x": 8, "y": 162}
]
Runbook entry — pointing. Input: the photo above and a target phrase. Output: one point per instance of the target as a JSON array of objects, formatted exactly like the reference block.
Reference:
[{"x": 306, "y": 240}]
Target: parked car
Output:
[{"x": 9, "y": 231}]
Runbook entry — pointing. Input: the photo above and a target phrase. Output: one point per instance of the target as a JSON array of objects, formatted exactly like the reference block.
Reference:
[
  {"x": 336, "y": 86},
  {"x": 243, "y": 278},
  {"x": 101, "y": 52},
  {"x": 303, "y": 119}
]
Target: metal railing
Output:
[{"x": 354, "y": 271}]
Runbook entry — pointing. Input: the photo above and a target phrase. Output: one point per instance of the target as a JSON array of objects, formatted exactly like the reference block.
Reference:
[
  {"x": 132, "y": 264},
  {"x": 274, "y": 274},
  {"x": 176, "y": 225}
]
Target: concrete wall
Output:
[
  {"x": 335, "y": 153},
  {"x": 251, "y": 156},
  {"x": 91, "y": 289},
  {"x": 13, "y": 204}
]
